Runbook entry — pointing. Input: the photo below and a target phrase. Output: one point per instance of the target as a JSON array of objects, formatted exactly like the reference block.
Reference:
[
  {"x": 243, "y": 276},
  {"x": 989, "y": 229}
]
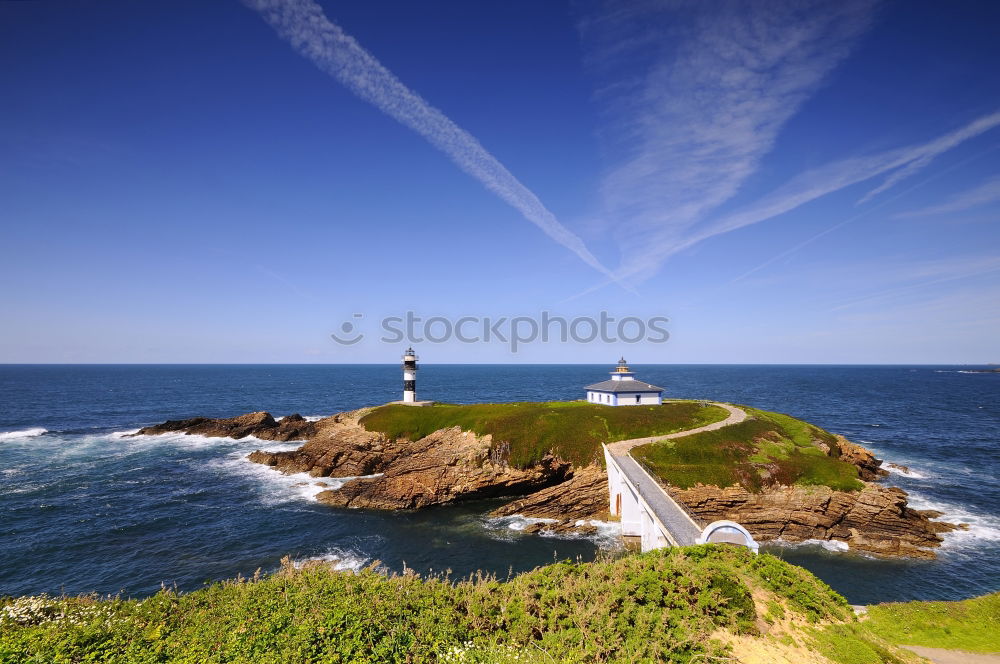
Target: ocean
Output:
[{"x": 86, "y": 509}]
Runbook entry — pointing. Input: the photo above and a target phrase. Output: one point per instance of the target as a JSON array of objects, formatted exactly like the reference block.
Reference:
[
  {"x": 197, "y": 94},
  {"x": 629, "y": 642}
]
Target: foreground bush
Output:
[{"x": 674, "y": 605}]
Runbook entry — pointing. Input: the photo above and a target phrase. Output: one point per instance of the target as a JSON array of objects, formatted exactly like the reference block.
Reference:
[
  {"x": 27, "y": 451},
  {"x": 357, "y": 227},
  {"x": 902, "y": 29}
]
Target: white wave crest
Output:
[
  {"x": 982, "y": 527},
  {"x": 834, "y": 546},
  {"x": 23, "y": 433},
  {"x": 191, "y": 440},
  {"x": 607, "y": 534},
  {"x": 907, "y": 472},
  {"x": 516, "y": 522},
  {"x": 275, "y": 487},
  {"x": 338, "y": 559},
  {"x": 307, "y": 418}
]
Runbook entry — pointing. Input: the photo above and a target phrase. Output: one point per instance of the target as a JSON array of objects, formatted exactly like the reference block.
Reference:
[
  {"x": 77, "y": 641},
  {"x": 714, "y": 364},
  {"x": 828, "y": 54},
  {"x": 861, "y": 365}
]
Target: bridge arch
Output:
[{"x": 728, "y": 532}]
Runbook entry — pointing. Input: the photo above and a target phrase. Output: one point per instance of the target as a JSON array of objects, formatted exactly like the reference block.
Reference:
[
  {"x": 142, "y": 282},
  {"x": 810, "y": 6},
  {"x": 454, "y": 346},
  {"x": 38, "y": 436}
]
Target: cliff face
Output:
[
  {"x": 869, "y": 468},
  {"x": 446, "y": 466},
  {"x": 875, "y": 519},
  {"x": 338, "y": 447},
  {"x": 582, "y": 497}
]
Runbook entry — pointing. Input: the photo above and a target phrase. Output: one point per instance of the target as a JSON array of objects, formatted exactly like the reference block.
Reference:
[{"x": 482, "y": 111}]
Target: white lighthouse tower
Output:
[{"x": 409, "y": 376}]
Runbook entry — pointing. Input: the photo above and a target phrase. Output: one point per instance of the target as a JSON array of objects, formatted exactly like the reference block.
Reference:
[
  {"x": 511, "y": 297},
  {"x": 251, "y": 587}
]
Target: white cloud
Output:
[
  {"x": 699, "y": 95},
  {"x": 807, "y": 187},
  {"x": 984, "y": 194},
  {"x": 312, "y": 34},
  {"x": 918, "y": 159}
]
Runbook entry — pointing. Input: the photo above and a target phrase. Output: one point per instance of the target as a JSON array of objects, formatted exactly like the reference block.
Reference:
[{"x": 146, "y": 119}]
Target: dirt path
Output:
[
  {"x": 942, "y": 656},
  {"x": 736, "y": 415}
]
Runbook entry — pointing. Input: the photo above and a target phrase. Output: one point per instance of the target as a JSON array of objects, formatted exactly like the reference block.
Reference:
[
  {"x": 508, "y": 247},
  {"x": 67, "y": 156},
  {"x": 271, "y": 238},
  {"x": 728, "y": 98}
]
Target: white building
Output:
[{"x": 624, "y": 390}]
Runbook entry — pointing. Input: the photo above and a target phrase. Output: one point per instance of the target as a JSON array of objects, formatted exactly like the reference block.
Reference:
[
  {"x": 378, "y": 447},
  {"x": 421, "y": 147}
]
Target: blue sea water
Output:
[{"x": 84, "y": 508}]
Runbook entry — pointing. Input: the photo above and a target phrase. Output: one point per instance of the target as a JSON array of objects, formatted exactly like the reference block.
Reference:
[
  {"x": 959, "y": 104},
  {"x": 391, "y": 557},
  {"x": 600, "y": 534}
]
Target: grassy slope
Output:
[
  {"x": 669, "y": 605},
  {"x": 972, "y": 624},
  {"x": 768, "y": 448},
  {"x": 573, "y": 429}
]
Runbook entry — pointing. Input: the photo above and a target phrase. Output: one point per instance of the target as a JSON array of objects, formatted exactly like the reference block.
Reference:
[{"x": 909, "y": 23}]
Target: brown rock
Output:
[
  {"x": 583, "y": 496},
  {"x": 869, "y": 468},
  {"x": 259, "y": 425},
  {"x": 443, "y": 467},
  {"x": 875, "y": 520},
  {"x": 338, "y": 447},
  {"x": 446, "y": 466}
]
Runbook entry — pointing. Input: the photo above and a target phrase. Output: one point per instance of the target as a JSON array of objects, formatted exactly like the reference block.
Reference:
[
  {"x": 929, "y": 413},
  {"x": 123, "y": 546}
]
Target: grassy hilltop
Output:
[
  {"x": 530, "y": 430},
  {"x": 699, "y": 604},
  {"x": 767, "y": 448}
]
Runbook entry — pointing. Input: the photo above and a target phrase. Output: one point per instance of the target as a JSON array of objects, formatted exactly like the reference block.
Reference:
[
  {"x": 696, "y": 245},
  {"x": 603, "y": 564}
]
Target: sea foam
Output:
[
  {"x": 982, "y": 527},
  {"x": 338, "y": 559},
  {"x": 908, "y": 472},
  {"x": 23, "y": 433},
  {"x": 275, "y": 487},
  {"x": 607, "y": 535},
  {"x": 833, "y": 546}
]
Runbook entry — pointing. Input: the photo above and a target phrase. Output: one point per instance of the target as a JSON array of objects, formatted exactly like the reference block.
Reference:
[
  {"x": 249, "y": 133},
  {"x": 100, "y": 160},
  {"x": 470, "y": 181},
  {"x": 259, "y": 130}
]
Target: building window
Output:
[{"x": 637, "y": 398}]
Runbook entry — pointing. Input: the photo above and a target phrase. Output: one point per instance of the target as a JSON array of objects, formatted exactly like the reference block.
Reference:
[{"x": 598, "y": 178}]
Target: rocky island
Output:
[{"x": 780, "y": 477}]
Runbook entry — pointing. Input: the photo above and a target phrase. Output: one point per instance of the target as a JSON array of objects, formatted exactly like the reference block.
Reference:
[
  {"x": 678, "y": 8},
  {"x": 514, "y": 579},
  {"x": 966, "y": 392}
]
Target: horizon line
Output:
[{"x": 473, "y": 364}]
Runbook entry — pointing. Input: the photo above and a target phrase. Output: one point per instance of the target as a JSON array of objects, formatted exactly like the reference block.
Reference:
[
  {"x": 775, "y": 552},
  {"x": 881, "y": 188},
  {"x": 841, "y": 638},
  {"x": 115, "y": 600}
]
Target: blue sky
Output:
[{"x": 228, "y": 182}]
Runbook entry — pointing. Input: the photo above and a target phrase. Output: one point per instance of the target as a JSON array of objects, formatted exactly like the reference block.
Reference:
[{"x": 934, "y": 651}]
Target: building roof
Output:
[{"x": 623, "y": 386}]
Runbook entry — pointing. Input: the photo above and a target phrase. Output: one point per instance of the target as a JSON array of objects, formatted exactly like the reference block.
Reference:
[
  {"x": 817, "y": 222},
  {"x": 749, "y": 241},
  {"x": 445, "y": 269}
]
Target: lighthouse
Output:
[
  {"x": 624, "y": 390},
  {"x": 409, "y": 376}
]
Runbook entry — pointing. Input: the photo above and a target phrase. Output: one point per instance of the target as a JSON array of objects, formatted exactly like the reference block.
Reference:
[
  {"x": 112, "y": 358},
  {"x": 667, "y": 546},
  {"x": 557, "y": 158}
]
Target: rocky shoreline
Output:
[{"x": 450, "y": 465}]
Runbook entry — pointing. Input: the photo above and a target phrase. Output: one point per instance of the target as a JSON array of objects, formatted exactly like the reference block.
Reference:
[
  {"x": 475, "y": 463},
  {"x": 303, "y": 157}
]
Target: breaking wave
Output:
[
  {"x": 982, "y": 527},
  {"x": 23, "y": 433},
  {"x": 607, "y": 534},
  {"x": 338, "y": 559},
  {"x": 905, "y": 471}
]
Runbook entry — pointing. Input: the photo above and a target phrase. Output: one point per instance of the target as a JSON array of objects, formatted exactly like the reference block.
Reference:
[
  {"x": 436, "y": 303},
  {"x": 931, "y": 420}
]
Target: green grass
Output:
[
  {"x": 763, "y": 450},
  {"x": 972, "y": 624},
  {"x": 854, "y": 644},
  {"x": 572, "y": 429},
  {"x": 662, "y": 606}
]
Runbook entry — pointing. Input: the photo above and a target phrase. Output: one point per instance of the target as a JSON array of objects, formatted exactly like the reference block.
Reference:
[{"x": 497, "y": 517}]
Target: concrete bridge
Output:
[{"x": 647, "y": 511}]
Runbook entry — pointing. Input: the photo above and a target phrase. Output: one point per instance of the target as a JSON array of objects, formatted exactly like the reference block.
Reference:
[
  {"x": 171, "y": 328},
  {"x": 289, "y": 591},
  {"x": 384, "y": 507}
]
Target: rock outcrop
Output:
[
  {"x": 874, "y": 520},
  {"x": 260, "y": 425},
  {"x": 581, "y": 498},
  {"x": 869, "y": 468},
  {"x": 338, "y": 447},
  {"x": 446, "y": 466}
]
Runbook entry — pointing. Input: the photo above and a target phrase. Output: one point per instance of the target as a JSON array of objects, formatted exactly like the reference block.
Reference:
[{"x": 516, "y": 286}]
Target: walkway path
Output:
[
  {"x": 736, "y": 415},
  {"x": 942, "y": 656},
  {"x": 673, "y": 517}
]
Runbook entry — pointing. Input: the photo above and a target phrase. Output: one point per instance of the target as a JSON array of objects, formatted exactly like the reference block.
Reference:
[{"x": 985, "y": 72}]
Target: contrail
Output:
[{"x": 303, "y": 24}]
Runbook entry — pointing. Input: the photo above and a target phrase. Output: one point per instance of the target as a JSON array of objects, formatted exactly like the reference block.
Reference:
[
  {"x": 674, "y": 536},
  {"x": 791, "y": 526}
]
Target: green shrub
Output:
[{"x": 656, "y": 607}]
